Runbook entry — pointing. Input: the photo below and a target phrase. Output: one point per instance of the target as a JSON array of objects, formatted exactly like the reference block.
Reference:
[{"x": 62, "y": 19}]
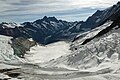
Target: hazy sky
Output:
[{"x": 30, "y": 10}]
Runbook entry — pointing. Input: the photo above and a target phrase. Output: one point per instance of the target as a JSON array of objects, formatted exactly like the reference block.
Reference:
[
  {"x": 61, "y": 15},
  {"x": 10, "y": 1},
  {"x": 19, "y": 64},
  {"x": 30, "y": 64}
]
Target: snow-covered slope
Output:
[
  {"x": 91, "y": 34},
  {"x": 6, "y": 51},
  {"x": 100, "y": 55}
]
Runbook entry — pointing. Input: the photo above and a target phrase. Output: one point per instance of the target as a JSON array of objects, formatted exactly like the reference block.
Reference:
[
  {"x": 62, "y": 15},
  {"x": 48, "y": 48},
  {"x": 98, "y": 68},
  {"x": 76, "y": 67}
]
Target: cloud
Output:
[{"x": 24, "y": 10}]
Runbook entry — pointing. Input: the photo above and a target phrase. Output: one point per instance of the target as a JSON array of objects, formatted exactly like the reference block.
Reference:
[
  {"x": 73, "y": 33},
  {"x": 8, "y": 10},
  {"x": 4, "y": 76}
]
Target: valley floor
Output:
[
  {"x": 38, "y": 54},
  {"x": 35, "y": 72}
]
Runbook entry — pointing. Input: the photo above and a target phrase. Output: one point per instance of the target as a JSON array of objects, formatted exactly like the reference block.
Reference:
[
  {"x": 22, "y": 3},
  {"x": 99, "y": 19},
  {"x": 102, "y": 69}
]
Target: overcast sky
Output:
[{"x": 30, "y": 10}]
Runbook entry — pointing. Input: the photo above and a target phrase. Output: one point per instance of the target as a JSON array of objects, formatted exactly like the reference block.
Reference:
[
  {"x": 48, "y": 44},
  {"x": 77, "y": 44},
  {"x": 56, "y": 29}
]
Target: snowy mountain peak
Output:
[
  {"x": 47, "y": 19},
  {"x": 9, "y": 25}
]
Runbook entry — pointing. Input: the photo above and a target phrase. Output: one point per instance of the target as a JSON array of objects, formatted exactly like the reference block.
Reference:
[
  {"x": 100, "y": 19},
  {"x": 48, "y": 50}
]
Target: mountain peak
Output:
[
  {"x": 118, "y": 2},
  {"x": 45, "y": 18}
]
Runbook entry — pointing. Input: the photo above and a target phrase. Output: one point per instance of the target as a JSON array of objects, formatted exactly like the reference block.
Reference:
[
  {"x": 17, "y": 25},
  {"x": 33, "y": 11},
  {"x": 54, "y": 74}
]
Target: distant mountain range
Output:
[
  {"x": 50, "y": 29},
  {"x": 44, "y": 31}
]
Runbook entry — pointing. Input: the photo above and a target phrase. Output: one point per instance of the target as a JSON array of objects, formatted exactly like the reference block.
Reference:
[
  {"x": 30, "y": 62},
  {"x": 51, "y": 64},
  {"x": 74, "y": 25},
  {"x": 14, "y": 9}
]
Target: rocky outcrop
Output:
[{"x": 21, "y": 45}]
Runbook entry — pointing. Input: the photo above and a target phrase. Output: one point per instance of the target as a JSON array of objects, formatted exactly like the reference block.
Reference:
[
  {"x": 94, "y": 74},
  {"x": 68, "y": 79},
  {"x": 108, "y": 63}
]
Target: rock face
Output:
[
  {"x": 12, "y": 50},
  {"x": 21, "y": 45},
  {"x": 100, "y": 17},
  {"x": 49, "y": 29}
]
